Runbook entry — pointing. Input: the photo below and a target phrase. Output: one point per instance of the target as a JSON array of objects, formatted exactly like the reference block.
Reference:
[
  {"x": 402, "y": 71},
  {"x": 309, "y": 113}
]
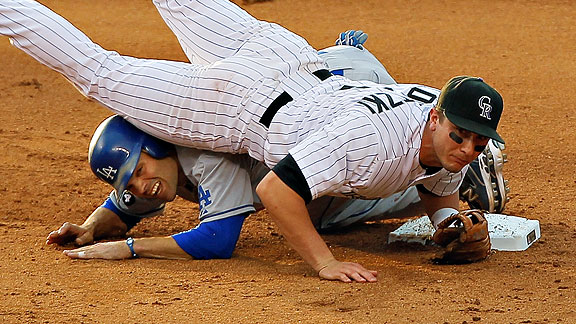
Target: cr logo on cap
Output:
[{"x": 484, "y": 104}]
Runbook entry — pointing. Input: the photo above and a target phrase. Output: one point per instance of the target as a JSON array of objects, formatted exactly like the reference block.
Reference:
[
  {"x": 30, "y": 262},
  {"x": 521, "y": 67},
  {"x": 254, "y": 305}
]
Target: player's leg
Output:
[
  {"x": 355, "y": 64},
  {"x": 170, "y": 100},
  {"x": 206, "y": 107},
  {"x": 332, "y": 212},
  {"x": 208, "y": 31},
  {"x": 214, "y": 30}
]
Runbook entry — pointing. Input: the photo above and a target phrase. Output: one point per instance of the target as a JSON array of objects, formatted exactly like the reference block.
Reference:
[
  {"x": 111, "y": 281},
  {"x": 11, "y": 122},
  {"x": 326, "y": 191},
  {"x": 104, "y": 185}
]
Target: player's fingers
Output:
[
  {"x": 348, "y": 272},
  {"x": 62, "y": 235},
  {"x": 344, "y": 278},
  {"x": 60, "y": 231},
  {"x": 58, "y": 237},
  {"x": 79, "y": 241},
  {"x": 364, "y": 275},
  {"x": 76, "y": 254},
  {"x": 361, "y": 274},
  {"x": 86, "y": 252},
  {"x": 369, "y": 275},
  {"x": 51, "y": 237},
  {"x": 357, "y": 277},
  {"x": 65, "y": 228}
]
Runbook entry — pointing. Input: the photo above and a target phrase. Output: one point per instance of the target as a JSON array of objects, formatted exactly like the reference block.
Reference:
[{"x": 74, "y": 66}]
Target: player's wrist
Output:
[
  {"x": 130, "y": 244},
  {"x": 323, "y": 265},
  {"x": 441, "y": 214}
]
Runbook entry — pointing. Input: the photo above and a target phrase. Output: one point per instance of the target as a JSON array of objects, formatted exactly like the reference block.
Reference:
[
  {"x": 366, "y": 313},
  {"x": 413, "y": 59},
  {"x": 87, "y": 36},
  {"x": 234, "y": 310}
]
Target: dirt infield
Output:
[{"x": 525, "y": 49}]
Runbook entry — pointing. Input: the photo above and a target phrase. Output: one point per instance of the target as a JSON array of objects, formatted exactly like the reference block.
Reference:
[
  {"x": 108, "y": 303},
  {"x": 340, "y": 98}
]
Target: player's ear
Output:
[{"x": 433, "y": 119}]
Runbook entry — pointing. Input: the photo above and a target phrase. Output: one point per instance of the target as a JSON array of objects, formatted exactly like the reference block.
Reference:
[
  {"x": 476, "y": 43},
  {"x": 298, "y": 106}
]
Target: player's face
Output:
[
  {"x": 154, "y": 178},
  {"x": 456, "y": 147}
]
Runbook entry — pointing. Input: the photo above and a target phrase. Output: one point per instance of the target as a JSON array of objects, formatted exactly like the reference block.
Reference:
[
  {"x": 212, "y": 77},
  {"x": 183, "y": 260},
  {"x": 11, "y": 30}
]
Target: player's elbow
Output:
[
  {"x": 266, "y": 187},
  {"x": 276, "y": 195}
]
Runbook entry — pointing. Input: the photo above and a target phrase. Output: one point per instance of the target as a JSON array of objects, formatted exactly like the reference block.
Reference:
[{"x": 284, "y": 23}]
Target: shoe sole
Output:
[{"x": 493, "y": 165}]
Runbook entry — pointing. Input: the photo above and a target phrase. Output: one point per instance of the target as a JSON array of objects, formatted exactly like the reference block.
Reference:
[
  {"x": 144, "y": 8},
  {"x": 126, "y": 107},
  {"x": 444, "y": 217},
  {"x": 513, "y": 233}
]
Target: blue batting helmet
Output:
[{"x": 115, "y": 150}]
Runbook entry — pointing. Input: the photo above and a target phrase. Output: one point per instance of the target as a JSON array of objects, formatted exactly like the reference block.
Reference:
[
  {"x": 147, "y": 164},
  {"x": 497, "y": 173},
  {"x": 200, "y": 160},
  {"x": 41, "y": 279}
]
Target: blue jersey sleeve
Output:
[{"x": 212, "y": 240}]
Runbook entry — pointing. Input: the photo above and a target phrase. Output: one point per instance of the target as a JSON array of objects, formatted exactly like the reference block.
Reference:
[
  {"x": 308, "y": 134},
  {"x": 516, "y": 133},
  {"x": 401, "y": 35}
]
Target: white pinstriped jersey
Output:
[
  {"x": 224, "y": 185},
  {"x": 240, "y": 66},
  {"x": 364, "y": 153}
]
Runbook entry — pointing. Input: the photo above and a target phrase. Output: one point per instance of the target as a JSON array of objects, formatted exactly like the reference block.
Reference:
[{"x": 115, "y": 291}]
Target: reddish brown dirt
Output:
[{"x": 524, "y": 48}]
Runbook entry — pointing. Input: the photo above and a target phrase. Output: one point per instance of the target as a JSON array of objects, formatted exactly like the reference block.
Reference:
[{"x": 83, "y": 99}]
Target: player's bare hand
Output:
[
  {"x": 109, "y": 250},
  {"x": 347, "y": 272},
  {"x": 69, "y": 232}
]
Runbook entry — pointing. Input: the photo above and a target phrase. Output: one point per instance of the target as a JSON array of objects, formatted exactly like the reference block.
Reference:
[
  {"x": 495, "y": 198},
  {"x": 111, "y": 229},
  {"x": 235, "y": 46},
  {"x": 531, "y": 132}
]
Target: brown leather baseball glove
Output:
[{"x": 464, "y": 237}]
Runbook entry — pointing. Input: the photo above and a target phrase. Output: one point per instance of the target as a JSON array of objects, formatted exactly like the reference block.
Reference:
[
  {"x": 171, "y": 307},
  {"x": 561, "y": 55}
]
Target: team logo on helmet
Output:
[
  {"x": 484, "y": 104},
  {"x": 108, "y": 172}
]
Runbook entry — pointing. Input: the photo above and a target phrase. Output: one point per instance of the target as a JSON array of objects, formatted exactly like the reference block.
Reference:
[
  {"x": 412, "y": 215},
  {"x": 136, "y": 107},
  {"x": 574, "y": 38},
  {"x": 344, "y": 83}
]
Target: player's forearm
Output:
[
  {"x": 159, "y": 248},
  {"x": 154, "y": 247},
  {"x": 289, "y": 212},
  {"x": 104, "y": 223}
]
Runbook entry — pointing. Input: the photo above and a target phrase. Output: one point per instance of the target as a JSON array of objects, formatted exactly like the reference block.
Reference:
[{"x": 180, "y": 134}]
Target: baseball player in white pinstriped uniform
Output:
[
  {"x": 264, "y": 91},
  {"x": 223, "y": 185}
]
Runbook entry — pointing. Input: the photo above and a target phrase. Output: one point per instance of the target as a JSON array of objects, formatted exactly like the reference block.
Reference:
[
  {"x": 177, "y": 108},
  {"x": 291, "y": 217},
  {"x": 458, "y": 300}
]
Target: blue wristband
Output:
[{"x": 130, "y": 243}]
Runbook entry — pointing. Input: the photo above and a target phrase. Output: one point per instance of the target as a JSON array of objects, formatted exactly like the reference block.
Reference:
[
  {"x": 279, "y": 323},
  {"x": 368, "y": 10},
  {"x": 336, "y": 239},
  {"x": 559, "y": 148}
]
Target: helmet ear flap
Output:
[{"x": 155, "y": 147}]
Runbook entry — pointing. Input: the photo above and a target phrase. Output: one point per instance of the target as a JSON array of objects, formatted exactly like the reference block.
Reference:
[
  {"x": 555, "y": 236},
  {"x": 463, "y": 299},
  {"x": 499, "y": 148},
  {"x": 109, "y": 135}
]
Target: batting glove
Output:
[{"x": 354, "y": 38}]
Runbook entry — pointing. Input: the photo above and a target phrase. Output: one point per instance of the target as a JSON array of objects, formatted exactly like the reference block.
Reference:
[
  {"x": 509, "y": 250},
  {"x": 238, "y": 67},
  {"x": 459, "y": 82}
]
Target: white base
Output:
[{"x": 507, "y": 233}]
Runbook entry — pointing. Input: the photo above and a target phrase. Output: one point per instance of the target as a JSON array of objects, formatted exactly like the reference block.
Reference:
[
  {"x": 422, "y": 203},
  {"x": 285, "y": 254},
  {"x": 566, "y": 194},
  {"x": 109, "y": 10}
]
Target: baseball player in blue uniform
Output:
[
  {"x": 222, "y": 184},
  {"x": 253, "y": 87}
]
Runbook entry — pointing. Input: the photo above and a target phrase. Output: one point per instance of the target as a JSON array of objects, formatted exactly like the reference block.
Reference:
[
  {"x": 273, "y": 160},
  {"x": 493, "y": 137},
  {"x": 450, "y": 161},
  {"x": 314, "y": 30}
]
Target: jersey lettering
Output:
[
  {"x": 376, "y": 104},
  {"x": 421, "y": 95},
  {"x": 204, "y": 199}
]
